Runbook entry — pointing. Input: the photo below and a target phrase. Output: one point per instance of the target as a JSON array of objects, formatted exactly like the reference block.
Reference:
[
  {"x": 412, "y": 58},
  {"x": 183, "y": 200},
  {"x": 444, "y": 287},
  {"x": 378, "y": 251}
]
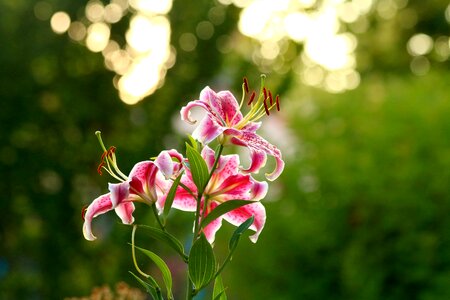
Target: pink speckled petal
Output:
[
  {"x": 240, "y": 215},
  {"x": 229, "y": 107},
  {"x": 228, "y": 165},
  {"x": 207, "y": 130},
  {"x": 145, "y": 172},
  {"x": 234, "y": 187},
  {"x": 211, "y": 229},
  {"x": 183, "y": 199},
  {"x": 125, "y": 212},
  {"x": 99, "y": 206},
  {"x": 259, "y": 148},
  {"x": 252, "y": 126}
]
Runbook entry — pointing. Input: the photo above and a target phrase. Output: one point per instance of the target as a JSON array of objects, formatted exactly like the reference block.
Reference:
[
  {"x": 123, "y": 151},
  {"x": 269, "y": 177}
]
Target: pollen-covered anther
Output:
[
  {"x": 277, "y": 99},
  {"x": 271, "y": 98}
]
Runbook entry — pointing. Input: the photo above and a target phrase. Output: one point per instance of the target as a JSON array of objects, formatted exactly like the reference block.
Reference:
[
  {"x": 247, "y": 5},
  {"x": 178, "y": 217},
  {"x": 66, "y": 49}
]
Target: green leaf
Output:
[
  {"x": 171, "y": 195},
  {"x": 167, "y": 238},
  {"x": 199, "y": 169},
  {"x": 219, "y": 289},
  {"x": 223, "y": 209},
  {"x": 159, "y": 262},
  {"x": 194, "y": 142},
  {"x": 238, "y": 232},
  {"x": 152, "y": 288},
  {"x": 202, "y": 263}
]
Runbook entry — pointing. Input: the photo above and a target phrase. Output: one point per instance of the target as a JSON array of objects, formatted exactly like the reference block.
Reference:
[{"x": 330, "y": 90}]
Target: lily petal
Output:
[
  {"x": 143, "y": 177},
  {"x": 211, "y": 229},
  {"x": 207, "y": 130},
  {"x": 183, "y": 199},
  {"x": 125, "y": 212},
  {"x": 99, "y": 206},
  {"x": 165, "y": 163},
  {"x": 186, "y": 110},
  {"x": 119, "y": 192},
  {"x": 259, "y": 148},
  {"x": 241, "y": 214},
  {"x": 234, "y": 187}
]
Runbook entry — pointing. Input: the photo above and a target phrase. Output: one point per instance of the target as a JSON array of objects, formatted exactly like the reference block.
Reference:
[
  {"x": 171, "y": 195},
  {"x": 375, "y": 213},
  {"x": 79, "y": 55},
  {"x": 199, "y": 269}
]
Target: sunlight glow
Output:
[
  {"x": 141, "y": 63},
  {"x": 328, "y": 60}
]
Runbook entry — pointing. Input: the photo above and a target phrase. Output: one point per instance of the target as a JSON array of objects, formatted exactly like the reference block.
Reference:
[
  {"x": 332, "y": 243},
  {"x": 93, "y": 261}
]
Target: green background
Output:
[{"x": 360, "y": 212}]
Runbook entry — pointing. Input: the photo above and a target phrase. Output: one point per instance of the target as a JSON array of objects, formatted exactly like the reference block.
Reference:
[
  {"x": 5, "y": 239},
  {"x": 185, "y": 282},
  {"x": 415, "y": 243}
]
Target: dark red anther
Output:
[
  {"x": 271, "y": 98},
  {"x": 266, "y": 108},
  {"x": 265, "y": 94},
  {"x": 246, "y": 85},
  {"x": 252, "y": 97},
  {"x": 278, "y": 102}
]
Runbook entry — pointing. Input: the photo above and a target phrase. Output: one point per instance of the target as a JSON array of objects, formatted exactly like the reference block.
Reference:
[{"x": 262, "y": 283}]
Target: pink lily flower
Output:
[
  {"x": 226, "y": 184},
  {"x": 146, "y": 182},
  {"x": 225, "y": 120}
]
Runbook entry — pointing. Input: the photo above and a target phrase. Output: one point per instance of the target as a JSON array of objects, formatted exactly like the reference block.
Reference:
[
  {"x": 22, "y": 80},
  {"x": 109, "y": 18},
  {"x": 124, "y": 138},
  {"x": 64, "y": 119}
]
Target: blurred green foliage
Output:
[
  {"x": 363, "y": 208},
  {"x": 361, "y": 211}
]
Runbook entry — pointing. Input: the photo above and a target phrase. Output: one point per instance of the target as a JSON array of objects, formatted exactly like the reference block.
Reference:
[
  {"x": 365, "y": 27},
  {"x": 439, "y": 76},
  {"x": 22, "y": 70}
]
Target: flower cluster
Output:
[{"x": 150, "y": 181}]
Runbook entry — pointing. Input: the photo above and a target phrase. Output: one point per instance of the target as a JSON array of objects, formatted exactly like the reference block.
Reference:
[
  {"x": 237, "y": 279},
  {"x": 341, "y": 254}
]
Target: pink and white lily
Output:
[
  {"x": 146, "y": 182},
  {"x": 225, "y": 120},
  {"x": 226, "y": 184}
]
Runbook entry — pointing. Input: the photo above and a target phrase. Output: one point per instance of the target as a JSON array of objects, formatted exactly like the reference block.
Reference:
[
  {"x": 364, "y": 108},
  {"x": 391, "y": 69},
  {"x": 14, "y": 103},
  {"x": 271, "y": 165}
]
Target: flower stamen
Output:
[
  {"x": 246, "y": 85},
  {"x": 252, "y": 97}
]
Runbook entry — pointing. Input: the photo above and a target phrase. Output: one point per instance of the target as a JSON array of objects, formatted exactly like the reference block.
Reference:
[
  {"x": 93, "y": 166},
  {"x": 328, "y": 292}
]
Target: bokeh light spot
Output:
[
  {"x": 77, "y": 31},
  {"x": 419, "y": 44},
  {"x": 60, "y": 22},
  {"x": 188, "y": 42},
  {"x": 204, "y": 30},
  {"x": 98, "y": 37}
]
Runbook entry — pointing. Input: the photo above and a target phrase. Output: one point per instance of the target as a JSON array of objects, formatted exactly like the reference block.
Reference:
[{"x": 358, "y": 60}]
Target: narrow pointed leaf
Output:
[
  {"x": 171, "y": 195},
  {"x": 199, "y": 169},
  {"x": 238, "y": 232},
  {"x": 162, "y": 266},
  {"x": 167, "y": 238},
  {"x": 152, "y": 288},
  {"x": 202, "y": 263},
  {"x": 219, "y": 289},
  {"x": 224, "y": 208}
]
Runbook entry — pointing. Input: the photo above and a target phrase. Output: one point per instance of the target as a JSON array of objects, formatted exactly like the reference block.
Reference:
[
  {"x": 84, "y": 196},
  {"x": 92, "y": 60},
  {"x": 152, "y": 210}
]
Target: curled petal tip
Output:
[
  {"x": 278, "y": 170},
  {"x": 88, "y": 233}
]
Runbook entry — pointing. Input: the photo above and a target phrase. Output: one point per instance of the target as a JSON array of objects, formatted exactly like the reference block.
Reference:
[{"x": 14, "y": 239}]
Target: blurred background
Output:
[{"x": 362, "y": 208}]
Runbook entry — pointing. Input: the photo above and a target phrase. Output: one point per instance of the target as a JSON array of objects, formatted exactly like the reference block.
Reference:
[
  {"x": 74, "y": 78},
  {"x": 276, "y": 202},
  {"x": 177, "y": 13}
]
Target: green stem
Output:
[
  {"x": 133, "y": 254},
  {"x": 155, "y": 213}
]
